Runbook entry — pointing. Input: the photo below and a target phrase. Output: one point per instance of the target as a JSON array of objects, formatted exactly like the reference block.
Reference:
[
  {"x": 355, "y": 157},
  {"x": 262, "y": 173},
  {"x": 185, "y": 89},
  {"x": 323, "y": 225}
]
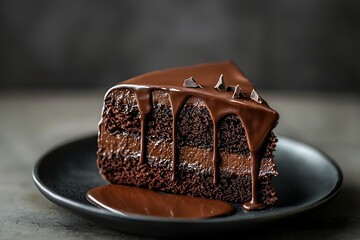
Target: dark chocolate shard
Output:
[
  {"x": 191, "y": 83},
  {"x": 220, "y": 85},
  {"x": 255, "y": 96},
  {"x": 230, "y": 88},
  {"x": 238, "y": 93}
]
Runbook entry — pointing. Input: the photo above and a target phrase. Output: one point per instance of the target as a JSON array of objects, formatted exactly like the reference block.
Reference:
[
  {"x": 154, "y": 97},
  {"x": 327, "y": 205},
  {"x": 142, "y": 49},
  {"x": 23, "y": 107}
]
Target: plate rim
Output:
[{"x": 83, "y": 209}]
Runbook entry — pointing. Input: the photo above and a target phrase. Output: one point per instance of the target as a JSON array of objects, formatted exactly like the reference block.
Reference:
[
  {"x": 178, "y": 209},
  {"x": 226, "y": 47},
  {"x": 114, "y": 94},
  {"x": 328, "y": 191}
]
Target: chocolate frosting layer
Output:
[{"x": 257, "y": 117}]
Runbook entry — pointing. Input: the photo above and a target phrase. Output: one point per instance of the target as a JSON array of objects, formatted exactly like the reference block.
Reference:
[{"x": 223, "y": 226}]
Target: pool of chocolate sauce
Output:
[{"x": 127, "y": 200}]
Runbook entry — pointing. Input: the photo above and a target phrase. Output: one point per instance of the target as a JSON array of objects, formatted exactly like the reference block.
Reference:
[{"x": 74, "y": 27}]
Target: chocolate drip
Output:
[
  {"x": 143, "y": 97},
  {"x": 254, "y": 203},
  {"x": 215, "y": 152},
  {"x": 177, "y": 100},
  {"x": 216, "y": 115},
  {"x": 257, "y": 118}
]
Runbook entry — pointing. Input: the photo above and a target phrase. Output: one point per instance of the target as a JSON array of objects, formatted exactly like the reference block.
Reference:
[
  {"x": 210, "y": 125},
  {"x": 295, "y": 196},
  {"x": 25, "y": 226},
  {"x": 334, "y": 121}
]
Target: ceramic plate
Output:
[{"x": 307, "y": 179}]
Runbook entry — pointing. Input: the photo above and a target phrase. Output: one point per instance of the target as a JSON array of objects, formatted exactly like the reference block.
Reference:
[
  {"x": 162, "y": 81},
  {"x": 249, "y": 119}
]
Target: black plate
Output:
[{"x": 307, "y": 179}]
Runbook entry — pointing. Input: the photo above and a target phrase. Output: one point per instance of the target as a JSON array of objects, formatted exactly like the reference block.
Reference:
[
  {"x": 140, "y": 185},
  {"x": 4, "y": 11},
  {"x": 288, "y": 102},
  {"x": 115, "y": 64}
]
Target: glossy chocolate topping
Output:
[
  {"x": 257, "y": 118},
  {"x": 127, "y": 200}
]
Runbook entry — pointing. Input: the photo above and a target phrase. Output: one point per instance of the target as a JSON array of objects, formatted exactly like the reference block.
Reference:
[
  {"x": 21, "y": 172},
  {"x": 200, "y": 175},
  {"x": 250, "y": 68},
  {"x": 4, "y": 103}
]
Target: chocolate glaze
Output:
[
  {"x": 257, "y": 118},
  {"x": 128, "y": 200}
]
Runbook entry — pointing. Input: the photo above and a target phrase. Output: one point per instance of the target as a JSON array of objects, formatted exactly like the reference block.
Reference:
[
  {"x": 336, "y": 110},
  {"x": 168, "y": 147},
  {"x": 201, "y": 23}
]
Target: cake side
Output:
[{"x": 119, "y": 150}]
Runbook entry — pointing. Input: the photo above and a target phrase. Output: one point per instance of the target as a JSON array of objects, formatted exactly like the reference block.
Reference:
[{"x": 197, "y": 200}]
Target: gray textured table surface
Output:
[{"x": 32, "y": 123}]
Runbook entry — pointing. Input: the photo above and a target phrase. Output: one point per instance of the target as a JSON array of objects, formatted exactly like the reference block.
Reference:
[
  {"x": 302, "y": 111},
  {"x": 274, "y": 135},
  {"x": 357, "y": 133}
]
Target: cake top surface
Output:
[{"x": 206, "y": 75}]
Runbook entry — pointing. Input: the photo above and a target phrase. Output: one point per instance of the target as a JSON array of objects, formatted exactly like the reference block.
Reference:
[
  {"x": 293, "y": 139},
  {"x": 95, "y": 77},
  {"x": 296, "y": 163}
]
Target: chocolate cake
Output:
[{"x": 201, "y": 130}]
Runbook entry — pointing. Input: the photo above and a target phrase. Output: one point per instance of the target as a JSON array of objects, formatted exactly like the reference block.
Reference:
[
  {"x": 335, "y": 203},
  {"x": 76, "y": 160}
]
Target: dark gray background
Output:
[{"x": 279, "y": 44}]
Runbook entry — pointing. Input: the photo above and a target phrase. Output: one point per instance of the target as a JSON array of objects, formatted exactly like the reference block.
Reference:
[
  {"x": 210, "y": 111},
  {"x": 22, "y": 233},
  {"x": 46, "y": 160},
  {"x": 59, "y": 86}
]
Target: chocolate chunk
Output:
[
  {"x": 220, "y": 85},
  {"x": 191, "y": 83},
  {"x": 255, "y": 96},
  {"x": 230, "y": 88},
  {"x": 238, "y": 93}
]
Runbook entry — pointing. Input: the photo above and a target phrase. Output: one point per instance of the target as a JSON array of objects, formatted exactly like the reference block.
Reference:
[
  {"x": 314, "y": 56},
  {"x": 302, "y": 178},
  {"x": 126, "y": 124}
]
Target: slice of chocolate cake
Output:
[{"x": 200, "y": 130}]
